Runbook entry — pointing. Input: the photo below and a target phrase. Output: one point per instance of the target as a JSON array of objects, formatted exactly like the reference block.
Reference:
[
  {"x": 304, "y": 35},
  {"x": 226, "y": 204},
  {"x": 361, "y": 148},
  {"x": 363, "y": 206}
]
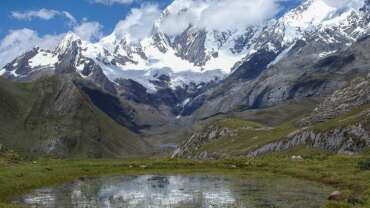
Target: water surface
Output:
[{"x": 180, "y": 191}]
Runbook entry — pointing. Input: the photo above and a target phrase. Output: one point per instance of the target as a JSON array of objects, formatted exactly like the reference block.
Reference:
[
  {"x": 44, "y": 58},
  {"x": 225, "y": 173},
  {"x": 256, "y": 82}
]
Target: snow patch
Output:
[
  {"x": 43, "y": 59},
  {"x": 327, "y": 53},
  {"x": 281, "y": 56},
  {"x": 2, "y": 72},
  {"x": 310, "y": 13},
  {"x": 14, "y": 74},
  {"x": 186, "y": 101}
]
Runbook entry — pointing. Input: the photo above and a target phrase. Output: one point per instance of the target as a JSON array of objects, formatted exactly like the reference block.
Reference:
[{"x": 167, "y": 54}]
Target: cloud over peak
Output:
[
  {"x": 139, "y": 23},
  {"x": 217, "y": 14},
  {"x": 90, "y": 31}
]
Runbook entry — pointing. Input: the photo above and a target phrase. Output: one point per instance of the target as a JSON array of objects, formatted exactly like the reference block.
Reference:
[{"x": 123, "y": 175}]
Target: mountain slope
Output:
[
  {"x": 53, "y": 116},
  {"x": 300, "y": 74},
  {"x": 341, "y": 124}
]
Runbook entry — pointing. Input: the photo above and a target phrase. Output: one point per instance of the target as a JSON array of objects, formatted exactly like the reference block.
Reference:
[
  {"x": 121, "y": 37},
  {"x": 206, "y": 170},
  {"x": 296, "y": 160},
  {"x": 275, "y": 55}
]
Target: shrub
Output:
[{"x": 365, "y": 165}]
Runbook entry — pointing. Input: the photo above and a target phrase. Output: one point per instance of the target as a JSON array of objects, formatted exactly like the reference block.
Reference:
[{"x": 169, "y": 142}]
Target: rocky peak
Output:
[
  {"x": 69, "y": 40},
  {"x": 366, "y": 9}
]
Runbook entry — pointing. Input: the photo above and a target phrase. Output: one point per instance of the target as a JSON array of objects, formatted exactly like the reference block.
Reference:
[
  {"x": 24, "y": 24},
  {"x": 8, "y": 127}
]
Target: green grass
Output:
[
  {"x": 304, "y": 151},
  {"x": 236, "y": 123},
  {"x": 343, "y": 173},
  {"x": 249, "y": 136},
  {"x": 254, "y": 128}
]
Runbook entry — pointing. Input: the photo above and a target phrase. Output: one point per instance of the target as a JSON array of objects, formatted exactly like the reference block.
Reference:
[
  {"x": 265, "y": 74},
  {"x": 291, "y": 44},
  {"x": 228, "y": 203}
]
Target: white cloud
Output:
[
  {"x": 45, "y": 14},
  {"x": 139, "y": 23},
  {"x": 22, "y": 40},
  {"x": 90, "y": 31},
  {"x": 70, "y": 17},
  {"x": 42, "y": 14},
  {"x": 218, "y": 14},
  {"x": 111, "y": 2}
]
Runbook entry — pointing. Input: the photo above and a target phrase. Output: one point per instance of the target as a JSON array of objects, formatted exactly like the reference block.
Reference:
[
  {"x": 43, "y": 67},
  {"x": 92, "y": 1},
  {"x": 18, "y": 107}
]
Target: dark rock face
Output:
[
  {"x": 190, "y": 108},
  {"x": 335, "y": 61},
  {"x": 161, "y": 41},
  {"x": 366, "y": 9},
  {"x": 162, "y": 81},
  {"x": 252, "y": 68},
  {"x": 243, "y": 41},
  {"x": 307, "y": 88},
  {"x": 96, "y": 75},
  {"x": 112, "y": 106},
  {"x": 134, "y": 91},
  {"x": 20, "y": 65},
  {"x": 165, "y": 95},
  {"x": 190, "y": 45}
]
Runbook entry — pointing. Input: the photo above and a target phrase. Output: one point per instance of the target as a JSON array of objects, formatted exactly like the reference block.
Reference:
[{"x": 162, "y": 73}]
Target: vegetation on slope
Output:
[
  {"x": 52, "y": 116},
  {"x": 250, "y": 135}
]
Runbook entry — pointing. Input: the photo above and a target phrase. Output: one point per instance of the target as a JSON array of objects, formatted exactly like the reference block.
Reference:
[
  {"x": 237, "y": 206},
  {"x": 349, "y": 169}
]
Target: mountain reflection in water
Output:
[{"x": 177, "y": 192}]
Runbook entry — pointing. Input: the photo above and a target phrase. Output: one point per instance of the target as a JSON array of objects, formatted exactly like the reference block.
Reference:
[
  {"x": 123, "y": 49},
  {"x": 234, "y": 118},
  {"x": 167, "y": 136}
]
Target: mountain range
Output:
[{"x": 127, "y": 96}]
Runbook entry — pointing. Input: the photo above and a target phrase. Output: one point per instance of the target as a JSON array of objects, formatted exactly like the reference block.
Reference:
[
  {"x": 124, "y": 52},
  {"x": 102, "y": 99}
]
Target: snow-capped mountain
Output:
[
  {"x": 288, "y": 58},
  {"x": 197, "y": 55},
  {"x": 334, "y": 26}
]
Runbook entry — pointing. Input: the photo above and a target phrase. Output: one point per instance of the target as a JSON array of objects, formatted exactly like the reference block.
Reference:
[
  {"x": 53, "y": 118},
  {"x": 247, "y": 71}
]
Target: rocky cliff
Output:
[{"x": 340, "y": 125}]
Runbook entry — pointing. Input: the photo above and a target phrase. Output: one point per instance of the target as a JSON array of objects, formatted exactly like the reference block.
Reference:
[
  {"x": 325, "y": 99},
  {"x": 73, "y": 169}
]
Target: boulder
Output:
[
  {"x": 294, "y": 157},
  {"x": 335, "y": 196}
]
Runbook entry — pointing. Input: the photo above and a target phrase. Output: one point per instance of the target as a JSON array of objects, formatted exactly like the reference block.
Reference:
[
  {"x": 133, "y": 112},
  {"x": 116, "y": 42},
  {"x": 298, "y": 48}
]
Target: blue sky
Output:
[{"x": 106, "y": 15}]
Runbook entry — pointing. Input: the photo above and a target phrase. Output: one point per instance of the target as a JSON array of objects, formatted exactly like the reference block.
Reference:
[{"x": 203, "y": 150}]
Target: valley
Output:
[{"x": 269, "y": 107}]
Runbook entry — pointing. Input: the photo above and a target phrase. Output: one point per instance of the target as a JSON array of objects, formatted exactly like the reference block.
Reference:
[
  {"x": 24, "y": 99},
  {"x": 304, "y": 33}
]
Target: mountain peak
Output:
[
  {"x": 66, "y": 42},
  {"x": 309, "y": 13}
]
